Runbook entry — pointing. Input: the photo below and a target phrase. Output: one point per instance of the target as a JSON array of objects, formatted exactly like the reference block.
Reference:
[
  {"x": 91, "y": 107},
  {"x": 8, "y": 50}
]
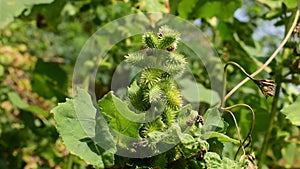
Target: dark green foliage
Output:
[{"x": 40, "y": 42}]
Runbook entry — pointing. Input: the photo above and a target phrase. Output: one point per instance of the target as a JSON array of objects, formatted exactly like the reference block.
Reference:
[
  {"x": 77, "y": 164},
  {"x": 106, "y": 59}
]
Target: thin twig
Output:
[
  {"x": 252, "y": 124},
  {"x": 265, "y": 144},
  {"x": 238, "y": 66},
  {"x": 288, "y": 35},
  {"x": 225, "y": 78},
  {"x": 237, "y": 128}
]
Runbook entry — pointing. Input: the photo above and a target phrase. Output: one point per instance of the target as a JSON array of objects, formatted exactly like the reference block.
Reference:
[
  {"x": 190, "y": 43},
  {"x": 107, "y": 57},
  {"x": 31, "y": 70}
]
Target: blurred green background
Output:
[{"x": 40, "y": 41}]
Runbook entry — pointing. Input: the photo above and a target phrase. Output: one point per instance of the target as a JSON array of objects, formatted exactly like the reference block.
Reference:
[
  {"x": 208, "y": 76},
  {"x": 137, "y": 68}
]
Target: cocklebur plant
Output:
[
  {"x": 155, "y": 89},
  {"x": 155, "y": 93},
  {"x": 153, "y": 126}
]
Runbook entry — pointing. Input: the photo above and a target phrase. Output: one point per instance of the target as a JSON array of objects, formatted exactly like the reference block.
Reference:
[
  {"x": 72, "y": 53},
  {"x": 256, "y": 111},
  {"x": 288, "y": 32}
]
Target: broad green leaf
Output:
[
  {"x": 272, "y": 4},
  {"x": 228, "y": 163},
  {"x": 76, "y": 125},
  {"x": 13, "y": 8},
  {"x": 290, "y": 3},
  {"x": 213, "y": 121},
  {"x": 221, "y": 137},
  {"x": 292, "y": 112},
  {"x": 223, "y": 9},
  {"x": 186, "y": 7},
  {"x": 120, "y": 117},
  {"x": 49, "y": 80},
  {"x": 226, "y": 31},
  {"x": 196, "y": 92},
  {"x": 212, "y": 160},
  {"x": 47, "y": 15}
]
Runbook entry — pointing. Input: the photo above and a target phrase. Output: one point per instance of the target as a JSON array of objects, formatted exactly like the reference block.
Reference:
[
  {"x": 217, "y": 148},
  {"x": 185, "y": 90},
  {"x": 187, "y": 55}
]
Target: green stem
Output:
[
  {"x": 240, "y": 67},
  {"x": 252, "y": 125},
  {"x": 225, "y": 78},
  {"x": 237, "y": 129},
  {"x": 70, "y": 162},
  {"x": 273, "y": 113}
]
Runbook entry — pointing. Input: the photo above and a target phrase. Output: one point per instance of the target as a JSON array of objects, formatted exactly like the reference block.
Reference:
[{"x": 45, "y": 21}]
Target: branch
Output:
[
  {"x": 237, "y": 129},
  {"x": 252, "y": 124},
  {"x": 225, "y": 78},
  {"x": 274, "y": 110},
  {"x": 288, "y": 35}
]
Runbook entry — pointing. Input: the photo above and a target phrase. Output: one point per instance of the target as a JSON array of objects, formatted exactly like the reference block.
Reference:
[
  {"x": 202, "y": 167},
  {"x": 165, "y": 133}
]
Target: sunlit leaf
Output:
[
  {"x": 76, "y": 125},
  {"x": 213, "y": 121},
  {"x": 186, "y": 7},
  {"x": 212, "y": 160},
  {"x": 290, "y": 3},
  {"x": 196, "y": 92},
  {"x": 292, "y": 112},
  {"x": 223, "y": 9},
  {"x": 13, "y": 8},
  {"x": 221, "y": 137},
  {"x": 120, "y": 117}
]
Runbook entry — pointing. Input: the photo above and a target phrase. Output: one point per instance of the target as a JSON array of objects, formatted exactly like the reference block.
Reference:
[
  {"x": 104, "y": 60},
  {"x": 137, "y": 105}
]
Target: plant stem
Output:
[
  {"x": 225, "y": 78},
  {"x": 252, "y": 124},
  {"x": 70, "y": 162},
  {"x": 237, "y": 129},
  {"x": 265, "y": 144},
  {"x": 288, "y": 35}
]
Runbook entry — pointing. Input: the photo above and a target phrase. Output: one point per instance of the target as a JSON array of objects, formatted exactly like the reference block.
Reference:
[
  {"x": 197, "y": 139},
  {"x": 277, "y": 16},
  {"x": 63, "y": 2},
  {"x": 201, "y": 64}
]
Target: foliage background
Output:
[{"x": 40, "y": 41}]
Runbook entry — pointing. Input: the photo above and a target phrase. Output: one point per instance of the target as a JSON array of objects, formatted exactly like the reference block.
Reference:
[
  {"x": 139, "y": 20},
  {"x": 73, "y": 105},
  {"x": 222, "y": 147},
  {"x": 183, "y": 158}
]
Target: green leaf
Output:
[
  {"x": 120, "y": 117},
  {"x": 49, "y": 80},
  {"x": 191, "y": 145},
  {"x": 221, "y": 137},
  {"x": 13, "y": 8},
  {"x": 16, "y": 100},
  {"x": 290, "y": 3},
  {"x": 289, "y": 154},
  {"x": 226, "y": 31},
  {"x": 196, "y": 92},
  {"x": 75, "y": 121},
  {"x": 223, "y": 9},
  {"x": 213, "y": 121},
  {"x": 161, "y": 161},
  {"x": 292, "y": 112},
  {"x": 151, "y": 6},
  {"x": 228, "y": 163},
  {"x": 186, "y": 7},
  {"x": 272, "y": 4},
  {"x": 212, "y": 160},
  {"x": 47, "y": 15}
]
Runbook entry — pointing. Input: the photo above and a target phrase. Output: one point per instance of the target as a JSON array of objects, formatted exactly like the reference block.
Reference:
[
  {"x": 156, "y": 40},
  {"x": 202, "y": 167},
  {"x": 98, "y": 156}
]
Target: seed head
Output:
[{"x": 267, "y": 87}]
